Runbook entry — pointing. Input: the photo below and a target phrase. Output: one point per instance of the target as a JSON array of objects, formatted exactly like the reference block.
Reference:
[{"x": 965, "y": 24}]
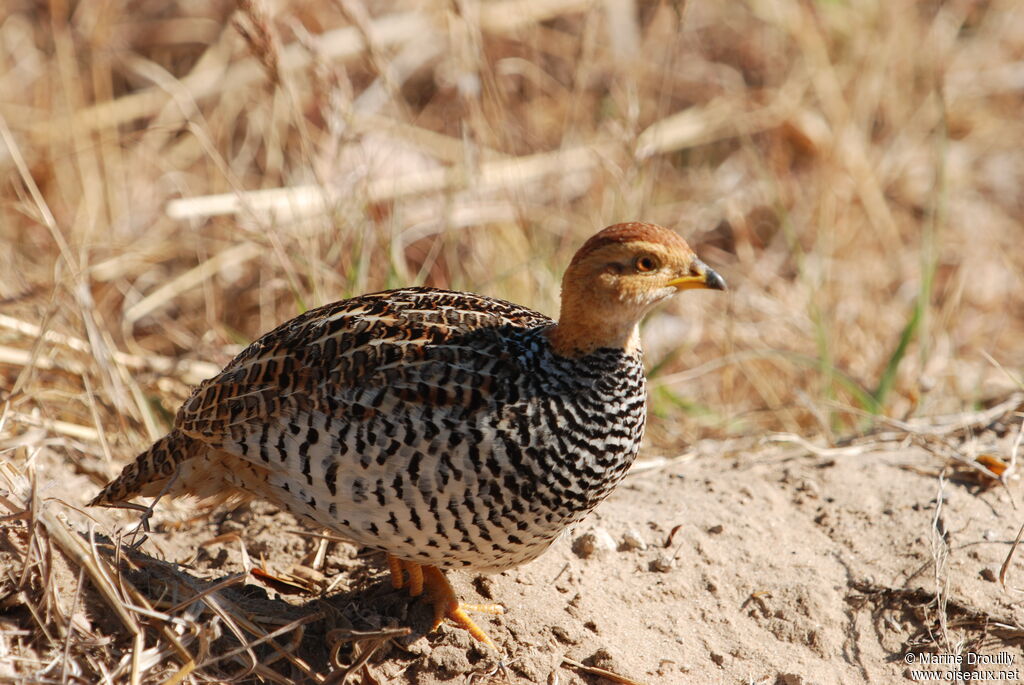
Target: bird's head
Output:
[{"x": 615, "y": 278}]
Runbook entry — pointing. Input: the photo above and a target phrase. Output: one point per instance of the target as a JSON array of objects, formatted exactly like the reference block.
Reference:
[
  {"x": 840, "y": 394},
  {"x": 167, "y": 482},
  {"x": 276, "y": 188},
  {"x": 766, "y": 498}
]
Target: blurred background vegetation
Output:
[{"x": 177, "y": 177}]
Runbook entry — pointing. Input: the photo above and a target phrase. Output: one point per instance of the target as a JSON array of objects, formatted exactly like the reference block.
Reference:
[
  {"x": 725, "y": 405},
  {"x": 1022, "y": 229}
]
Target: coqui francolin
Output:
[{"x": 447, "y": 429}]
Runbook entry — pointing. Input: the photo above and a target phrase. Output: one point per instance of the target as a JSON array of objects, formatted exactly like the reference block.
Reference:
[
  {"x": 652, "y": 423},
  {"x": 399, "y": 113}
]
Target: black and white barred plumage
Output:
[{"x": 438, "y": 426}]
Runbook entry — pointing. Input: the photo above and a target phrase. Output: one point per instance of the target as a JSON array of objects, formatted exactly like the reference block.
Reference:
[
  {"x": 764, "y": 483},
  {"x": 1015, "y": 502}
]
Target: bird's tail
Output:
[{"x": 149, "y": 474}]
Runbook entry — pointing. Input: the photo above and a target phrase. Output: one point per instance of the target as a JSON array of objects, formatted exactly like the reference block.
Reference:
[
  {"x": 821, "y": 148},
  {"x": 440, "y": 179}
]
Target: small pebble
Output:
[
  {"x": 789, "y": 679},
  {"x": 565, "y": 636},
  {"x": 532, "y": 667},
  {"x": 602, "y": 658},
  {"x": 416, "y": 645},
  {"x": 485, "y": 586},
  {"x": 449, "y": 660},
  {"x": 593, "y": 542},
  {"x": 808, "y": 487},
  {"x": 662, "y": 564},
  {"x": 631, "y": 540}
]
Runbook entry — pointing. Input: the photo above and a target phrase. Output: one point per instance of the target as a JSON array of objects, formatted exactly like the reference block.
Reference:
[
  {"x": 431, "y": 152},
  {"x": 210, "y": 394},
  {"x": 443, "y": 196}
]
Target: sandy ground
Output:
[{"x": 737, "y": 563}]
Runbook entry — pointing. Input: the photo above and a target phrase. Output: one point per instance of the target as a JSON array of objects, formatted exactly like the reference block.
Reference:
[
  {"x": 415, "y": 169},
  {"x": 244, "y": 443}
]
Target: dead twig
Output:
[
  {"x": 603, "y": 672},
  {"x": 361, "y": 653}
]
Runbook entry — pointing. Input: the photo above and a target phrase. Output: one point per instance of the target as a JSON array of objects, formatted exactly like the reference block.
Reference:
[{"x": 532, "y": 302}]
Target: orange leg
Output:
[
  {"x": 415, "y": 579},
  {"x": 441, "y": 596},
  {"x": 395, "y": 566}
]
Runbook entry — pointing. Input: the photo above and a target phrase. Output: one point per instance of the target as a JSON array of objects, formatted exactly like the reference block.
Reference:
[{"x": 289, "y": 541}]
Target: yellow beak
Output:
[{"x": 705, "y": 277}]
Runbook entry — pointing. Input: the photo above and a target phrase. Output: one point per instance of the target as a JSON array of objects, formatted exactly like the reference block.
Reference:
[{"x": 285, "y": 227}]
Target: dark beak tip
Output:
[{"x": 714, "y": 281}]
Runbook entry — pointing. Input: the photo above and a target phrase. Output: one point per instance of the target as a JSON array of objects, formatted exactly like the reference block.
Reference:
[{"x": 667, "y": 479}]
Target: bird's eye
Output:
[{"x": 645, "y": 263}]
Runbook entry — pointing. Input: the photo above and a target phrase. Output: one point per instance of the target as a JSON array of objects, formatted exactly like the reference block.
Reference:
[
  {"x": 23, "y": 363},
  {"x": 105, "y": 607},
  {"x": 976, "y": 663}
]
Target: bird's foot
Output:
[{"x": 441, "y": 596}]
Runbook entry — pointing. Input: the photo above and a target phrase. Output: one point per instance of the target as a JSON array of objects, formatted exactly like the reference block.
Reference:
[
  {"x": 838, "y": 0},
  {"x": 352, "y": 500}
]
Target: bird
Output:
[{"x": 447, "y": 429}]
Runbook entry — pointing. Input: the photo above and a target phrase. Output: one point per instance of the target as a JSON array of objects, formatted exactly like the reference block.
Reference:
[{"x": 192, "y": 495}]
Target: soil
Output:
[{"x": 737, "y": 563}]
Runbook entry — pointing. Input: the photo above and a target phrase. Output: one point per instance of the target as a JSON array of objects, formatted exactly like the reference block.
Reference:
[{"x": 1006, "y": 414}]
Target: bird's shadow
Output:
[{"x": 230, "y": 618}]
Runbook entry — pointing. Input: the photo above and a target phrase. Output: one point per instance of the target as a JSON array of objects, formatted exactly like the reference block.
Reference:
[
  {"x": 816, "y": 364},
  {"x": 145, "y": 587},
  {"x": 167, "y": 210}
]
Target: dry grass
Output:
[{"x": 853, "y": 169}]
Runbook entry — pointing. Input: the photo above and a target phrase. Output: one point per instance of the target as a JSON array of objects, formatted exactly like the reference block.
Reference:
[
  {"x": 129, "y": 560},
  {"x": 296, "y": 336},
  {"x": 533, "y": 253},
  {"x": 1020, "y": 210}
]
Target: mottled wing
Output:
[
  {"x": 437, "y": 426},
  {"x": 404, "y": 343}
]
